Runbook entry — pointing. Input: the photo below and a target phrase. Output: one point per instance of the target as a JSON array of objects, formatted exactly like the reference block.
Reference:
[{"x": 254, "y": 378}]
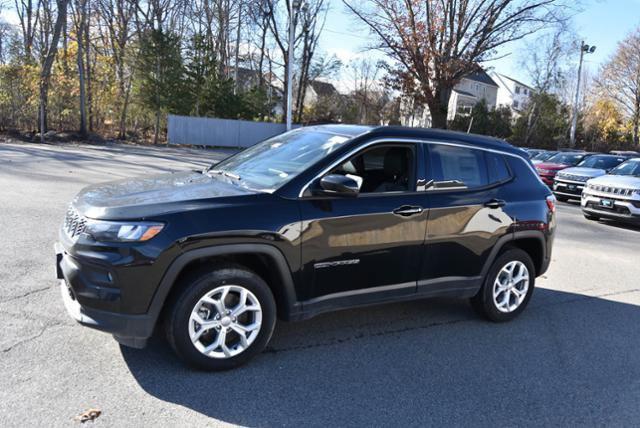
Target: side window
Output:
[
  {"x": 497, "y": 169},
  {"x": 381, "y": 169},
  {"x": 457, "y": 167}
]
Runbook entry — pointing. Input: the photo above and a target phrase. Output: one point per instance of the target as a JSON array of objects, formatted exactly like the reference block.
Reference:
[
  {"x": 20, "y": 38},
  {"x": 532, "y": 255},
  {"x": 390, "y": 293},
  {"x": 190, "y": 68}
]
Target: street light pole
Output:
[
  {"x": 293, "y": 6},
  {"x": 584, "y": 48}
]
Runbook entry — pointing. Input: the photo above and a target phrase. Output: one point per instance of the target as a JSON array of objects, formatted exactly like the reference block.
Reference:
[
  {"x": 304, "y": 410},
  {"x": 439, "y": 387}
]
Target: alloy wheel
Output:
[
  {"x": 510, "y": 286},
  {"x": 225, "y": 321}
]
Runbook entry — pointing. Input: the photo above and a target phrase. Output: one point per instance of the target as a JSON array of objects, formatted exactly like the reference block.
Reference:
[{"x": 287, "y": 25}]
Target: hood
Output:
[
  {"x": 621, "y": 181},
  {"x": 137, "y": 198},
  {"x": 584, "y": 172},
  {"x": 552, "y": 166}
]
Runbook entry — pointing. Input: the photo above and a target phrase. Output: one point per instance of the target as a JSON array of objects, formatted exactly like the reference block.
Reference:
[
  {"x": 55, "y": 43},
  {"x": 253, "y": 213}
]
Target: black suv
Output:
[{"x": 310, "y": 221}]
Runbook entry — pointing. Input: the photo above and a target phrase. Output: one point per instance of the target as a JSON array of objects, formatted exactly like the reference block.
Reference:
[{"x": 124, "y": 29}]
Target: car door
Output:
[
  {"x": 352, "y": 247},
  {"x": 466, "y": 217}
]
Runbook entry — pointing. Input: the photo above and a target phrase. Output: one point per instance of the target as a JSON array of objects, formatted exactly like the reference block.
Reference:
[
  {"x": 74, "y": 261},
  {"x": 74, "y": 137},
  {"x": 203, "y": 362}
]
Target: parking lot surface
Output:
[{"x": 573, "y": 357}]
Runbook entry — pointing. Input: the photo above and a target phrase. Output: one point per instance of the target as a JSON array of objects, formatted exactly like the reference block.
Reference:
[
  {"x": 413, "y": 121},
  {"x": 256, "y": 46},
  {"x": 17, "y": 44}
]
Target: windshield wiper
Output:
[{"x": 225, "y": 173}]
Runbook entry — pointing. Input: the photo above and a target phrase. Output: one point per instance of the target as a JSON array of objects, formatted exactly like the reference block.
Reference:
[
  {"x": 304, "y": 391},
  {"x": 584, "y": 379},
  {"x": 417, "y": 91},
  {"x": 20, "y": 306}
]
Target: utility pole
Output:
[
  {"x": 584, "y": 48},
  {"x": 294, "y": 5}
]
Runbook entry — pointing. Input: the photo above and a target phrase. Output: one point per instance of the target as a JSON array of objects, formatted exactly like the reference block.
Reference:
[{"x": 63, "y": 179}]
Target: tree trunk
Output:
[
  {"x": 237, "y": 53},
  {"x": 45, "y": 72},
  {"x": 81, "y": 28},
  {"x": 87, "y": 53},
  {"x": 122, "y": 131},
  {"x": 157, "y": 127}
]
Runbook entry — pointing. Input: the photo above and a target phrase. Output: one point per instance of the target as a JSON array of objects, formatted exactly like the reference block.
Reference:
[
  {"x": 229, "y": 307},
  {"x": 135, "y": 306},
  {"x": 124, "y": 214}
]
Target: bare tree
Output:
[
  {"x": 49, "y": 42},
  {"x": 117, "y": 17},
  {"x": 436, "y": 43},
  {"x": 307, "y": 26},
  {"x": 546, "y": 61},
  {"x": 79, "y": 16},
  {"x": 312, "y": 20},
  {"x": 620, "y": 79},
  {"x": 28, "y": 12}
]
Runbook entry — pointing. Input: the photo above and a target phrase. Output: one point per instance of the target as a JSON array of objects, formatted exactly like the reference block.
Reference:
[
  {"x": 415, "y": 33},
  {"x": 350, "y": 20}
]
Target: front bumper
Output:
[
  {"x": 130, "y": 330},
  {"x": 621, "y": 209},
  {"x": 569, "y": 189}
]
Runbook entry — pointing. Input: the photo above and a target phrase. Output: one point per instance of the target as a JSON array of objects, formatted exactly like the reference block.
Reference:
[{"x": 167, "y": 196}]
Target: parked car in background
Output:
[
  {"x": 310, "y": 221},
  {"x": 614, "y": 196},
  {"x": 562, "y": 160},
  {"x": 570, "y": 182},
  {"x": 543, "y": 156},
  {"x": 533, "y": 152},
  {"x": 628, "y": 153}
]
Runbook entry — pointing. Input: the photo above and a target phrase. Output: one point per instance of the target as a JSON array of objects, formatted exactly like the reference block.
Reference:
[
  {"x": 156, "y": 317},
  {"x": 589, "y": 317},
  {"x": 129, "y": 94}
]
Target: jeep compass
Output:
[{"x": 310, "y": 221}]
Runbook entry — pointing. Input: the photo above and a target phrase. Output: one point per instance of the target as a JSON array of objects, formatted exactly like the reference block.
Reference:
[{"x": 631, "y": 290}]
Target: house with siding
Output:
[{"x": 467, "y": 93}]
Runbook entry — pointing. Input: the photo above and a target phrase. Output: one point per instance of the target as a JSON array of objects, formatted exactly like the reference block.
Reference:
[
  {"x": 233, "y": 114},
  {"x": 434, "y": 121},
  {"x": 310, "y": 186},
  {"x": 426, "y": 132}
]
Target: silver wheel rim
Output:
[
  {"x": 225, "y": 321},
  {"x": 511, "y": 286}
]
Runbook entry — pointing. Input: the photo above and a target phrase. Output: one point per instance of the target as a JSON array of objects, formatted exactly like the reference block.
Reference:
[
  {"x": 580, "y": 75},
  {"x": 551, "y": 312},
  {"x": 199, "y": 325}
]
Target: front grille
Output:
[
  {"x": 74, "y": 223},
  {"x": 612, "y": 190},
  {"x": 572, "y": 177}
]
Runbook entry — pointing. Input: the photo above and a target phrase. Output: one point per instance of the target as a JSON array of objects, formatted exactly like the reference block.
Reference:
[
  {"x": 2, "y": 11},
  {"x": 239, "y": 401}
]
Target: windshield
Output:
[
  {"x": 271, "y": 163},
  {"x": 630, "y": 167},
  {"x": 544, "y": 156},
  {"x": 601, "y": 162},
  {"x": 566, "y": 158}
]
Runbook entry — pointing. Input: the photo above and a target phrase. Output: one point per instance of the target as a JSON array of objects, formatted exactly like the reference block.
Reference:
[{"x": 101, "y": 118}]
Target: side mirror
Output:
[{"x": 338, "y": 185}]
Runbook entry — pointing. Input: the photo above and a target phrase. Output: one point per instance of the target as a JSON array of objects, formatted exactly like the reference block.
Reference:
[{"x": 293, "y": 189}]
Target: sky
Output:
[{"x": 602, "y": 23}]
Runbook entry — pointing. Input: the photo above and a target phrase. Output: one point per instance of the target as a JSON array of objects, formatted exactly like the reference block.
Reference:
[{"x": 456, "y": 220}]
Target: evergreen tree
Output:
[{"x": 161, "y": 83}]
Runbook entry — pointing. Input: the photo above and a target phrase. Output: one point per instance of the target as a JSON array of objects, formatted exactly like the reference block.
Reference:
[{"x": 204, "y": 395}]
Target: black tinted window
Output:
[
  {"x": 381, "y": 169},
  {"x": 497, "y": 169},
  {"x": 461, "y": 164}
]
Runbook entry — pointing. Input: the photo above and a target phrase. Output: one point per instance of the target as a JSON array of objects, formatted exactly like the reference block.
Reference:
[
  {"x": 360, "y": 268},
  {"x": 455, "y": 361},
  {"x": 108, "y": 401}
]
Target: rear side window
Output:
[
  {"x": 497, "y": 169},
  {"x": 463, "y": 165}
]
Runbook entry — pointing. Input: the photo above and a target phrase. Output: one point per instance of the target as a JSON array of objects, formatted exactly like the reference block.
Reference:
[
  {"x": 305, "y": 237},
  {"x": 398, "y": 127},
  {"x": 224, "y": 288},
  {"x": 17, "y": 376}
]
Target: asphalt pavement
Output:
[{"x": 572, "y": 358}]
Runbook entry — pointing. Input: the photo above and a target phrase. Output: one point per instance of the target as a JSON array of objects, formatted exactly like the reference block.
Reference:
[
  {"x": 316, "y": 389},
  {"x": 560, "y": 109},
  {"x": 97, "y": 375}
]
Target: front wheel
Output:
[
  {"x": 222, "y": 318},
  {"x": 507, "y": 288}
]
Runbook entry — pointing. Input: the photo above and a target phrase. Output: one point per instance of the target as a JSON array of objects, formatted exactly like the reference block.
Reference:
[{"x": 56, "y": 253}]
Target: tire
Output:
[
  {"x": 180, "y": 324},
  {"x": 484, "y": 302},
  {"x": 591, "y": 217}
]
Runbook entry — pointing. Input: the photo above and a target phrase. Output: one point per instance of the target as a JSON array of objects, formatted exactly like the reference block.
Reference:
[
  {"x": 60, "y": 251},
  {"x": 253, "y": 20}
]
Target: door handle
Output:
[
  {"x": 407, "y": 210},
  {"x": 495, "y": 203}
]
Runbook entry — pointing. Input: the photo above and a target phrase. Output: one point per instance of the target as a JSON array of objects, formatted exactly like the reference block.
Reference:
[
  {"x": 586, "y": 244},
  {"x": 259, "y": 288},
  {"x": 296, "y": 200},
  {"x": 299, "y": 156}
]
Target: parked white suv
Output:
[
  {"x": 615, "y": 195},
  {"x": 569, "y": 183}
]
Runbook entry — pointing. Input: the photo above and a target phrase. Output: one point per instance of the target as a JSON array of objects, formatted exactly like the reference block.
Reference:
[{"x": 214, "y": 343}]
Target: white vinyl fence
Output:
[{"x": 205, "y": 131}]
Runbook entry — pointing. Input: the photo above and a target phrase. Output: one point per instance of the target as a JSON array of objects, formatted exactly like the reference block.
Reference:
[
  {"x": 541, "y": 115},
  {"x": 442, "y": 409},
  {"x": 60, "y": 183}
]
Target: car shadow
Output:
[{"x": 568, "y": 358}]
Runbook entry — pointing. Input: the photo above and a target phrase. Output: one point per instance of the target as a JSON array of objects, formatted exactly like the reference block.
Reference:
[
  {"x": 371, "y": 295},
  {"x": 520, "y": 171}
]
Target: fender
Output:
[
  {"x": 279, "y": 262},
  {"x": 521, "y": 234}
]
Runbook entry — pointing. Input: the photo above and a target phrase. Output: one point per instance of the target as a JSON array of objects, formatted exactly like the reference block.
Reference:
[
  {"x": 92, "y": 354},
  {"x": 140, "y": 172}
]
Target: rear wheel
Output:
[
  {"x": 507, "y": 288},
  {"x": 222, "y": 318}
]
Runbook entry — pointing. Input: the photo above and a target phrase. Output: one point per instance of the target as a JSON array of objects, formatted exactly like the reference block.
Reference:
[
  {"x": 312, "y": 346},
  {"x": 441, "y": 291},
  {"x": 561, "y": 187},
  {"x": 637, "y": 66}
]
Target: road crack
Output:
[
  {"x": 31, "y": 338},
  {"x": 27, "y": 294},
  {"x": 359, "y": 336}
]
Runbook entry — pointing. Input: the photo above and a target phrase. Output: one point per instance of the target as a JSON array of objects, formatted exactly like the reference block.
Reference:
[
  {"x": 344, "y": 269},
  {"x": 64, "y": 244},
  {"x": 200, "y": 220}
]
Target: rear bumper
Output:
[{"x": 129, "y": 330}]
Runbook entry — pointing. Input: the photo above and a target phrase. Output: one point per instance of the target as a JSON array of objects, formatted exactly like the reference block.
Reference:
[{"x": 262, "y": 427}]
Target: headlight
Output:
[
  {"x": 545, "y": 171},
  {"x": 113, "y": 231}
]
